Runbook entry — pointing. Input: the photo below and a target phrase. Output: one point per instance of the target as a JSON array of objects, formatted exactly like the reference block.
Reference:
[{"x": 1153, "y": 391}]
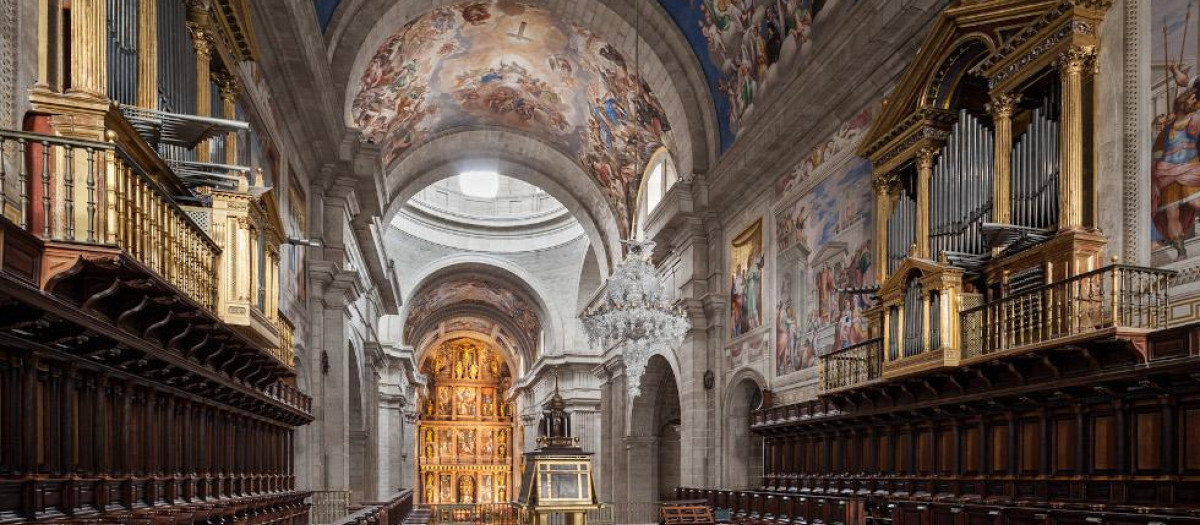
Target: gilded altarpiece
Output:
[{"x": 466, "y": 426}]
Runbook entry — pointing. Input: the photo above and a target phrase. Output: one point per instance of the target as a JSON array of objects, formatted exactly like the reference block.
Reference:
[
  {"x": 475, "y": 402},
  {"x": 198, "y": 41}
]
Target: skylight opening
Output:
[{"x": 480, "y": 184}]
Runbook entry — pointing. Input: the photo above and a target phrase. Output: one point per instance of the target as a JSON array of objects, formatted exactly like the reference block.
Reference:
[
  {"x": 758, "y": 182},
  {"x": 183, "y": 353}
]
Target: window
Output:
[
  {"x": 660, "y": 176},
  {"x": 481, "y": 184}
]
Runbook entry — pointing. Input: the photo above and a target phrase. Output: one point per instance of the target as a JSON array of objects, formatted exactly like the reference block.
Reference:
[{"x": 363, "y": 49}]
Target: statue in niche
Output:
[
  {"x": 445, "y": 407},
  {"x": 466, "y": 489},
  {"x": 500, "y": 492},
  {"x": 430, "y": 443},
  {"x": 430, "y": 488}
]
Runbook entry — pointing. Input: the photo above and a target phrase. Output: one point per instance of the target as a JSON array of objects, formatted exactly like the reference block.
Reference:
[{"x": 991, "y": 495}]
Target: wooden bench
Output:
[{"x": 687, "y": 515}]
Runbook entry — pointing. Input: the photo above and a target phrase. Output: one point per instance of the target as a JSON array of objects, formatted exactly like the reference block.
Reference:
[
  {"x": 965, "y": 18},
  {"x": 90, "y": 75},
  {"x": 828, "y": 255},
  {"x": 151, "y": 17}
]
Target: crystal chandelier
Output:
[{"x": 634, "y": 315}]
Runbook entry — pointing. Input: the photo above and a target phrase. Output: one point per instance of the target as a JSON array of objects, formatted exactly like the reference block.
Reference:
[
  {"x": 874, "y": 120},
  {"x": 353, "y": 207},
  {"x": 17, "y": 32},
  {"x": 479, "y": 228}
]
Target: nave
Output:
[{"x": 559, "y": 262}]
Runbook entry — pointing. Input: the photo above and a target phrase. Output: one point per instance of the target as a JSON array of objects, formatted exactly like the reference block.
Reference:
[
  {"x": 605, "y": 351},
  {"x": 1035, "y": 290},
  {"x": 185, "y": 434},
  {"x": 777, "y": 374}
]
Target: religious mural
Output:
[
  {"x": 505, "y": 63},
  {"x": 746, "y": 267},
  {"x": 824, "y": 243},
  {"x": 477, "y": 291},
  {"x": 465, "y": 425},
  {"x": 296, "y": 223},
  {"x": 745, "y": 47},
  {"x": 1175, "y": 159}
]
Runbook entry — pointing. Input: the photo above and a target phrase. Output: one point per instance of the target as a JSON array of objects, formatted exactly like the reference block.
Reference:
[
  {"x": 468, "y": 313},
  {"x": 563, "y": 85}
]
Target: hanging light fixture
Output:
[{"x": 633, "y": 314}]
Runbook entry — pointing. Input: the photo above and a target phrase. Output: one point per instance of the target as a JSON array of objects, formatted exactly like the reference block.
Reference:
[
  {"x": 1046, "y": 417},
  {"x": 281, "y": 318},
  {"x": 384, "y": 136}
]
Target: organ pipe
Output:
[
  {"x": 961, "y": 187},
  {"x": 902, "y": 229},
  {"x": 1035, "y": 169},
  {"x": 123, "y": 50},
  {"x": 914, "y": 318},
  {"x": 176, "y": 69}
]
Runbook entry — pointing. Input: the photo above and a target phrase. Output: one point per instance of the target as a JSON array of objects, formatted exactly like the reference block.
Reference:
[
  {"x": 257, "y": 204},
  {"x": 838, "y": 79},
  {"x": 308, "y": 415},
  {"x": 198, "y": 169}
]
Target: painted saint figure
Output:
[{"x": 1175, "y": 173}]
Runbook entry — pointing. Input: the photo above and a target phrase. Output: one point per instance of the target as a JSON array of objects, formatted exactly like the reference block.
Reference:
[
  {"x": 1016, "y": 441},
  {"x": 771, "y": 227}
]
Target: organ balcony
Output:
[
  {"x": 984, "y": 169},
  {"x": 125, "y": 198}
]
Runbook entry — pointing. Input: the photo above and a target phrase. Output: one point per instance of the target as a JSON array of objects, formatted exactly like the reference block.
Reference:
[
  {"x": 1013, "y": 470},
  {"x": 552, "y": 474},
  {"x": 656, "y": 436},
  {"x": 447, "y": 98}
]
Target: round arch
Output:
[
  {"x": 508, "y": 273},
  {"x": 519, "y": 156},
  {"x": 742, "y": 449},
  {"x": 659, "y": 418},
  {"x": 670, "y": 68}
]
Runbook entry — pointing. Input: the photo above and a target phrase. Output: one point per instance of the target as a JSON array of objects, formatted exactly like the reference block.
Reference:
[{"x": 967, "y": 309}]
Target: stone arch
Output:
[
  {"x": 743, "y": 450},
  {"x": 655, "y": 428},
  {"x": 519, "y": 279},
  {"x": 517, "y": 155},
  {"x": 670, "y": 67}
]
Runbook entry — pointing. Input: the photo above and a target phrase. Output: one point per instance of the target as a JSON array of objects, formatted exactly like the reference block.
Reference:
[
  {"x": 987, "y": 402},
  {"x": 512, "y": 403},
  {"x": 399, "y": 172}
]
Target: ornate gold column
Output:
[
  {"x": 89, "y": 48},
  {"x": 882, "y": 208},
  {"x": 198, "y": 25},
  {"x": 1072, "y": 65},
  {"x": 924, "y": 173},
  {"x": 230, "y": 89},
  {"x": 147, "y": 93},
  {"x": 1001, "y": 109}
]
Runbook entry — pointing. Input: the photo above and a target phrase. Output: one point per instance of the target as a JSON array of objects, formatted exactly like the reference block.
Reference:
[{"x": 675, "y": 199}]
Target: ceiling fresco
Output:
[
  {"x": 473, "y": 291},
  {"x": 745, "y": 47},
  {"x": 501, "y": 63}
]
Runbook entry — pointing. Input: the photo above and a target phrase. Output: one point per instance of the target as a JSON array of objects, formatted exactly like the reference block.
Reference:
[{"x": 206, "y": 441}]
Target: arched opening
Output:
[
  {"x": 660, "y": 175},
  {"x": 743, "y": 449},
  {"x": 655, "y": 437},
  {"x": 465, "y": 425}
]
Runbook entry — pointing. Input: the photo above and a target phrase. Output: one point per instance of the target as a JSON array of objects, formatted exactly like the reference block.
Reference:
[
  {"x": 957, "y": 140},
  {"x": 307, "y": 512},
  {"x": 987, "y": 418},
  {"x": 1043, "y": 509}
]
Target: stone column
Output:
[
  {"x": 334, "y": 289},
  {"x": 641, "y": 456}
]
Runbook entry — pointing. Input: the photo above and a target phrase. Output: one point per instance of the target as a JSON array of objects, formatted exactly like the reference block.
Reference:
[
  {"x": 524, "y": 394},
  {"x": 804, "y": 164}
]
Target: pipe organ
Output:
[
  {"x": 1035, "y": 159},
  {"x": 146, "y": 372},
  {"x": 961, "y": 190},
  {"x": 982, "y": 167},
  {"x": 123, "y": 51},
  {"x": 903, "y": 226}
]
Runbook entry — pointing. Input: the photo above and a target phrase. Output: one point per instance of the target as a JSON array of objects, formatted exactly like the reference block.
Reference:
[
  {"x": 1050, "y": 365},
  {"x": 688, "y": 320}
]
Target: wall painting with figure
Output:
[
  {"x": 1175, "y": 158},
  {"x": 746, "y": 284},
  {"x": 824, "y": 244}
]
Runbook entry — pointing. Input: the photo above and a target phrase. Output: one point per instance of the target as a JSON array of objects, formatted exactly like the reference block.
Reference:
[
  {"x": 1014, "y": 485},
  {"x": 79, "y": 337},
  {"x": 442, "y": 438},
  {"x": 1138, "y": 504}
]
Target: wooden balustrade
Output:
[
  {"x": 1115, "y": 302},
  {"x": 852, "y": 366},
  {"x": 80, "y": 192},
  {"x": 1097, "y": 303}
]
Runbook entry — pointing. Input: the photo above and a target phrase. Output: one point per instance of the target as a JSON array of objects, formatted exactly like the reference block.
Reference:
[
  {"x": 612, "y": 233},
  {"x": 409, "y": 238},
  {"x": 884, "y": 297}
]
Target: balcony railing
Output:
[
  {"x": 1100, "y": 303},
  {"x": 90, "y": 193},
  {"x": 1110, "y": 298},
  {"x": 852, "y": 366},
  {"x": 285, "y": 352},
  {"x": 290, "y": 395}
]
